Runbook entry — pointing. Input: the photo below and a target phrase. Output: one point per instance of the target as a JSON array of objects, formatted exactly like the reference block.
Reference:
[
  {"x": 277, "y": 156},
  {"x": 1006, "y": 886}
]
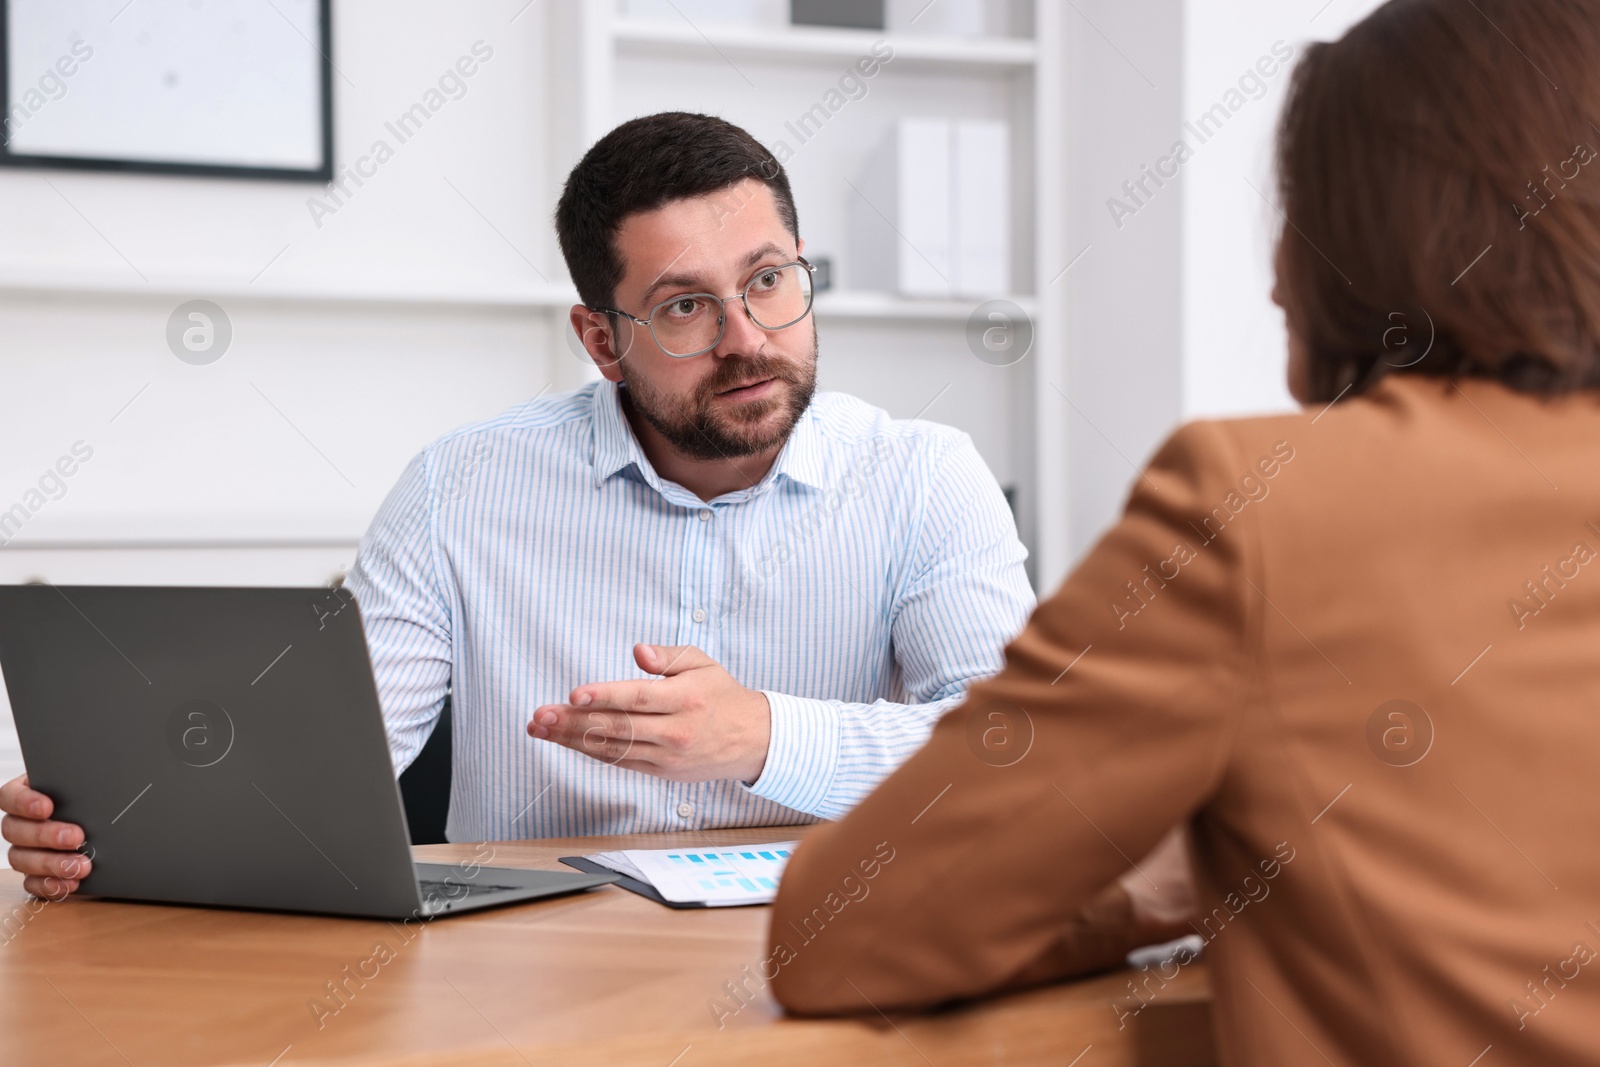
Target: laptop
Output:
[{"x": 226, "y": 747}]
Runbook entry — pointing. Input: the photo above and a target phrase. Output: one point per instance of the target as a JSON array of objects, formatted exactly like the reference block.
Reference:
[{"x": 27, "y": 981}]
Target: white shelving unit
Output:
[{"x": 909, "y": 356}]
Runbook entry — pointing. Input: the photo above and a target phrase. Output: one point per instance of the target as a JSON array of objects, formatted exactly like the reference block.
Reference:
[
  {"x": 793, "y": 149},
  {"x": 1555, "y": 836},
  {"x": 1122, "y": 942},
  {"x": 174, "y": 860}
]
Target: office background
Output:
[{"x": 367, "y": 320}]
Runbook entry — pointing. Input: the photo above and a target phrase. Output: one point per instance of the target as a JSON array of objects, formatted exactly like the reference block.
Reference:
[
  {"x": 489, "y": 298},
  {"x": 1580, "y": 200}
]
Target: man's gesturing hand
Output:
[{"x": 694, "y": 723}]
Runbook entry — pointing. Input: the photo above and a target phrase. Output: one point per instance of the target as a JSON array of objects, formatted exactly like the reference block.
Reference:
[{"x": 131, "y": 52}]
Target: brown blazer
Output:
[{"x": 1358, "y": 651}]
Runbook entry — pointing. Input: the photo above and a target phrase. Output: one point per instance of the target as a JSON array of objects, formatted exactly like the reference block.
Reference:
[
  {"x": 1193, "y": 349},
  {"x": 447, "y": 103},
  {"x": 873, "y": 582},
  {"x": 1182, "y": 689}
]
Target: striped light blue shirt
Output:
[{"x": 862, "y": 585}]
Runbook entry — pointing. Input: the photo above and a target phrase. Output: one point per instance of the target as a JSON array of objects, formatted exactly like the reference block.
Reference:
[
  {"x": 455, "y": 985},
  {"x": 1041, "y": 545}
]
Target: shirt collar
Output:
[
  {"x": 801, "y": 460},
  {"x": 616, "y": 448}
]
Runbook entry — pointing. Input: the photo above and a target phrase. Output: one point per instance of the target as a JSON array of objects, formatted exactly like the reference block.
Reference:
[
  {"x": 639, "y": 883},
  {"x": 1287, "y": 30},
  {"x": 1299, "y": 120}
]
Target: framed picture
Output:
[{"x": 229, "y": 88}]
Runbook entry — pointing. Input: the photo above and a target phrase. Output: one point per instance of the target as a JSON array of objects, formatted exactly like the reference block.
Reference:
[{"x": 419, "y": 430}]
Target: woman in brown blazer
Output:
[{"x": 1354, "y": 651}]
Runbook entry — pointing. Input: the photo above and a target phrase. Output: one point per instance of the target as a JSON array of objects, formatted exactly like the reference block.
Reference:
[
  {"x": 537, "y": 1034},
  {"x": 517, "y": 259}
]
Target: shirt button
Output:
[
  {"x": 699, "y": 615},
  {"x": 704, "y": 514},
  {"x": 685, "y": 810}
]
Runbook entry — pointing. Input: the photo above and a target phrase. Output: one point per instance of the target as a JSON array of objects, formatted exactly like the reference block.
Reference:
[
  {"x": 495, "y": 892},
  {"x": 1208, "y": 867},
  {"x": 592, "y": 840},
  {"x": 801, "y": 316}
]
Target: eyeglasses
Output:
[{"x": 692, "y": 324}]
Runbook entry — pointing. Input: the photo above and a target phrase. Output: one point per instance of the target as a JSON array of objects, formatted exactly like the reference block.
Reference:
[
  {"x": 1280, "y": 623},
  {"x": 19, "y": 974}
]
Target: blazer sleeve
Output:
[{"x": 987, "y": 860}]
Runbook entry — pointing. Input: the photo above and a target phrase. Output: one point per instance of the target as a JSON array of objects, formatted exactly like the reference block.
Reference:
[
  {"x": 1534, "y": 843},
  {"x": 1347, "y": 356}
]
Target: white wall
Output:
[
  {"x": 232, "y": 449},
  {"x": 1124, "y": 337},
  {"x": 1233, "y": 337},
  {"x": 1170, "y": 312}
]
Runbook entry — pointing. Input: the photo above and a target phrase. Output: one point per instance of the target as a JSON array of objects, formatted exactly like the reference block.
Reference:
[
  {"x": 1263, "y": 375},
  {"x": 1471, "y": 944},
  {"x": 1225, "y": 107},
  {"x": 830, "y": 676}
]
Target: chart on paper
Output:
[{"x": 715, "y": 877}]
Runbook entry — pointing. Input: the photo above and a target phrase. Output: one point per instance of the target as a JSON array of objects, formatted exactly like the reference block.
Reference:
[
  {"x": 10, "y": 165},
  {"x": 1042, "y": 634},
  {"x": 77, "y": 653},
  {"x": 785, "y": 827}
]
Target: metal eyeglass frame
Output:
[{"x": 722, "y": 303}]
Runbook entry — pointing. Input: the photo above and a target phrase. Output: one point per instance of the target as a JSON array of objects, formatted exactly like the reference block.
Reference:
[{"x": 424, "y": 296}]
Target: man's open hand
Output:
[{"x": 694, "y": 723}]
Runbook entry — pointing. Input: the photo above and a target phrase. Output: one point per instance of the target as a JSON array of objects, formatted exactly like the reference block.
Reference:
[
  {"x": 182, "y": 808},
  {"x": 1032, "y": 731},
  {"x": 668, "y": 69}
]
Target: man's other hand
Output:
[{"x": 42, "y": 849}]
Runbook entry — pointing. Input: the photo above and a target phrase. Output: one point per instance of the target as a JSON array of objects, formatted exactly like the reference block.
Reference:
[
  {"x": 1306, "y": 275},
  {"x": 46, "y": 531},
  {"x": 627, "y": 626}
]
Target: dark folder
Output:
[{"x": 633, "y": 885}]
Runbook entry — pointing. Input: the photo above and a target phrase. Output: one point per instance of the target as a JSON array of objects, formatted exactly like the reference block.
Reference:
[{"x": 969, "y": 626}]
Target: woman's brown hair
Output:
[{"x": 1439, "y": 169}]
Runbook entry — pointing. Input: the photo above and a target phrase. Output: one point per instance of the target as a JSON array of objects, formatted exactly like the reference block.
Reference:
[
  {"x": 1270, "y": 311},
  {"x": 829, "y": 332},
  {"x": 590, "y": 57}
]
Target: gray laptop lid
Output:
[{"x": 218, "y": 746}]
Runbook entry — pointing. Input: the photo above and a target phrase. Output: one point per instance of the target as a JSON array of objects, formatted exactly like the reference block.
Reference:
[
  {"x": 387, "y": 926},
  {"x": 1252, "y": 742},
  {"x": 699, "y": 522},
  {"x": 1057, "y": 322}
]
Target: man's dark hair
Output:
[{"x": 641, "y": 165}]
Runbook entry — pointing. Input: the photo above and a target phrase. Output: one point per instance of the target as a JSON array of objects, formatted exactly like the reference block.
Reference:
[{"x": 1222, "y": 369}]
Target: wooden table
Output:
[{"x": 605, "y": 977}]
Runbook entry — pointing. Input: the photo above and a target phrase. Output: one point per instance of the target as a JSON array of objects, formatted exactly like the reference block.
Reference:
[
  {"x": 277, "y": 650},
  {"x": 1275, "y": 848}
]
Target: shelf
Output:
[
  {"x": 510, "y": 294},
  {"x": 175, "y": 541},
  {"x": 888, "y": 307},
  {"x": 807, "y": 43},
  {"x": 131, "y": 529}
]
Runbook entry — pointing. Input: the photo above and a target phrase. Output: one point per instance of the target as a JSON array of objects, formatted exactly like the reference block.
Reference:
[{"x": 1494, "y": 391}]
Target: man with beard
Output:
[{"x": 797, "y": 584}]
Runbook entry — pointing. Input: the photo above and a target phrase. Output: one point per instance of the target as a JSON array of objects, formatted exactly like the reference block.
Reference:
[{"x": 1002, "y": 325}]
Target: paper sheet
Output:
[{"x": 747, "y": 874}]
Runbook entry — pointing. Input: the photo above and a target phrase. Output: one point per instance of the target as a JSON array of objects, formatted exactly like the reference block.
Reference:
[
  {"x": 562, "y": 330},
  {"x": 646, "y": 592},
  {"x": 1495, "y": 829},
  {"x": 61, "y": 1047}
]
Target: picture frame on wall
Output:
[{"x": 239, "y": 89}]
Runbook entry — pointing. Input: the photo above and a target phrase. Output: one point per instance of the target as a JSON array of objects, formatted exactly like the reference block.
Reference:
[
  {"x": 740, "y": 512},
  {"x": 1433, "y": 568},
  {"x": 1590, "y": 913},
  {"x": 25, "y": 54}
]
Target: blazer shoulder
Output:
[
  {"x": 1254, "y": 434},
  {"x": 1396, "y": 413},
  {"x": 1206, "y": 450}
]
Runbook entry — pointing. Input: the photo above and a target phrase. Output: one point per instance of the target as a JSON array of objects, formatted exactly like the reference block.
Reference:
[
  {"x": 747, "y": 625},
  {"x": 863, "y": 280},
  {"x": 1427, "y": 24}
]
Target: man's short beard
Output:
[{"x": 690, "y": 426}]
